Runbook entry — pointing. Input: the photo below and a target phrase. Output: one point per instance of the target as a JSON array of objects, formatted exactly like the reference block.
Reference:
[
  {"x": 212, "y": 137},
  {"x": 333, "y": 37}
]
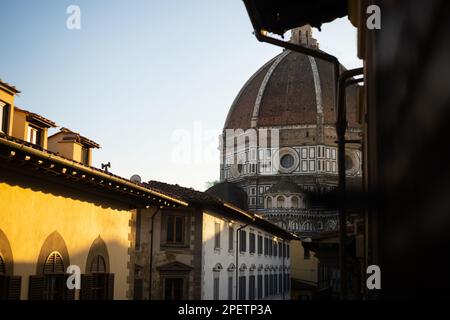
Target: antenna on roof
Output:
[
  {"x": 136, "y": 178},
  {"x": 105, "y": 166}
]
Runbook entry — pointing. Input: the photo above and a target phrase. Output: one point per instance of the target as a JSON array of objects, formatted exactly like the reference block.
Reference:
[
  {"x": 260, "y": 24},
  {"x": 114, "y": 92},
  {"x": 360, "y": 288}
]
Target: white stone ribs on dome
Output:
[
  {"x": 262, "y": 88},
  {"x": 319, "y": 104},
  {"x": 230, "y": 112}
]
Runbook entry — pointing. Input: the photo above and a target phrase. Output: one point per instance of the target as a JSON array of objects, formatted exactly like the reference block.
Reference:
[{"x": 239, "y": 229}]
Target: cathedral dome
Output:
[{"x": 290, "y": 89}]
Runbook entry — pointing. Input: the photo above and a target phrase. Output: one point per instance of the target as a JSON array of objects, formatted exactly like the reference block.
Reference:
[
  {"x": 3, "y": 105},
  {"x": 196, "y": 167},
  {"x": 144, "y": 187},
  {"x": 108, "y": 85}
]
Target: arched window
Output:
[
  {"x": 54, "y": 277},
  {"x": 307, "y": 226},
  {"x": 98, "y": 265},
  {"x": 269, "y": 203},
  {"x": 280, "y": 202},
  {"x": 99, "y": 283},
  {"x": 54, "y": 264},
  {"x": 294, "y": 202},
  {"x": 2, "y": 266}
]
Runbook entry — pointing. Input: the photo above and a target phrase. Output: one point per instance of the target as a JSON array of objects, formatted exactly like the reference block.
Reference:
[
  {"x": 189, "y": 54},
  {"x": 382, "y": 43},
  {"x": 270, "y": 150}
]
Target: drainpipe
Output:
[
  {"x": 345, "y": 79},
  {"x": 339, "y": 85},
  {"x": 151, "y": 254},
  {"x": 237, "y": 256},
  {"x": 282, "y": 279}
]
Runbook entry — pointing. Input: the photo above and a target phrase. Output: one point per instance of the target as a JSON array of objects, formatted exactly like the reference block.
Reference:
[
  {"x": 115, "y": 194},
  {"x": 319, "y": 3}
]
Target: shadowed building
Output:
[{"x": 57, "y": 211}]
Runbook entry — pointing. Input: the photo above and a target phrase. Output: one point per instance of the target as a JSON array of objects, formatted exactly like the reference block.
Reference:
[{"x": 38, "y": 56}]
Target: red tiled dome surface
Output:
[{"x": 289, "y": 96}]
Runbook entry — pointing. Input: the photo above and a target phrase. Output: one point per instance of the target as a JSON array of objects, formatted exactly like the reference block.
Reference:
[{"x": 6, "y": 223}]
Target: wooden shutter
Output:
[
  {"x": 110, "y": 291},
  {"x": 69, "y": 294},
  {"x": 14, "y": 286},
  {"x": 3, "y": 287},
  {"x": 36, "y": 288},
  {"x": 87, "y": 281}
]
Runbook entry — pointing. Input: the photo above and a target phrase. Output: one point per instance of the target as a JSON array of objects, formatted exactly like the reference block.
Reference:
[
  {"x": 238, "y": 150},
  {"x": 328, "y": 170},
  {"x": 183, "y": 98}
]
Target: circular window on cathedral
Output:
[
  {"x": 287, "y": 161},
  {"x": 348, "y": 162},
  {"x": 351, "y": 163}
]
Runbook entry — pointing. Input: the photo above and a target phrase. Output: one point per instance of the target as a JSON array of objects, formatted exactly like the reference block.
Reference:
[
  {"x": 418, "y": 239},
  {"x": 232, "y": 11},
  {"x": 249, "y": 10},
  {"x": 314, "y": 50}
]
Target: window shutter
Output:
[
  {"x": 3, "y": 287},
  {"x": 69, "y": 294},
  {"x": 36, "y": 288},
  {"x": 110, "y": 292},
  {"x": 87, "y": 281},
  {"x": 14, "y": 285}
]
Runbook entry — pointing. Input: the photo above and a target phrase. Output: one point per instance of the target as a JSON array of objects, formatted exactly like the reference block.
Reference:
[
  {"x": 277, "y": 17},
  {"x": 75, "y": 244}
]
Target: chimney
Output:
[
  {"x": 72, "y": 145},
  {"x": 303, "y": 36}
]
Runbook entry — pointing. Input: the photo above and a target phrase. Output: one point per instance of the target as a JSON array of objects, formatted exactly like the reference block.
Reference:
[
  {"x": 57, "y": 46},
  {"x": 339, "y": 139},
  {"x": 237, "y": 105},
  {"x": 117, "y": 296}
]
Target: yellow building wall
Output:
[
  {"x": 301, "y": 268},
  {"x": 28, "y": 217},
  {"x": 19, "y": 127},
  {"x": 67, "y": 149},
  {"x": 9, "y": 99}
]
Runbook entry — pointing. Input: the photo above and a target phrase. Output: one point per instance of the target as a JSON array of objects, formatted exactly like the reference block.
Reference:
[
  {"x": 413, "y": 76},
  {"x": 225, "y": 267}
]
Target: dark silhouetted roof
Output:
[
  {"x": 285, "y": 185},
  {"x": 231, "y": 193}
]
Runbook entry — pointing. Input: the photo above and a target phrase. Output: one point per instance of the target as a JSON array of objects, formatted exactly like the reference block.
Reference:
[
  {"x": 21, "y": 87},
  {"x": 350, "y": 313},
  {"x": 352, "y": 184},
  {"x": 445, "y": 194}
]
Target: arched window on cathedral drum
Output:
[
  {"x": 294, "y": 202},
  {"x": 280, "y": 202},
  {"x": 269, "y": 202}
]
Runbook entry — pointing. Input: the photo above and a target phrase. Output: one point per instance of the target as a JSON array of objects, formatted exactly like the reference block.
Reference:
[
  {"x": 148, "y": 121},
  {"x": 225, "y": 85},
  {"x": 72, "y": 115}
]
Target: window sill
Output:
[{"x": 175, "y": 245}]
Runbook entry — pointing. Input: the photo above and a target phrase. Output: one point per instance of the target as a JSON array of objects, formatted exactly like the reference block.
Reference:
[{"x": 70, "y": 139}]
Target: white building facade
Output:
[{"x": 243, "y": 261}]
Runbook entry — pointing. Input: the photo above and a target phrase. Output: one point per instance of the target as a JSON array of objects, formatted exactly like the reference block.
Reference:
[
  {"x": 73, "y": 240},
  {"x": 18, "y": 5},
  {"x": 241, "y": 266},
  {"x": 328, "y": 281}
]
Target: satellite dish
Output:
[{"x": 136, "y": 178}]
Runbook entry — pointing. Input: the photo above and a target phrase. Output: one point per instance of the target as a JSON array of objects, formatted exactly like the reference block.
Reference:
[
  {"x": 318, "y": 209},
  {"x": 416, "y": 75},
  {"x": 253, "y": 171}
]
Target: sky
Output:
[{"x": 150, "y": 80}]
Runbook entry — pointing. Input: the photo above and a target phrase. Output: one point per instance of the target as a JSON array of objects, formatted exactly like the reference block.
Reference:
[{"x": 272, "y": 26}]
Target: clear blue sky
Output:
[{"x": 140, "y": 75}]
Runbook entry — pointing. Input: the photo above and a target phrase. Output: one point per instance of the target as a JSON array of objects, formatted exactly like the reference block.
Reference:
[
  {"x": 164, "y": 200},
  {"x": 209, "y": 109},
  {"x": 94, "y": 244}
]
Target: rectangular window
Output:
[
  {"x": 304, "y": 153},
  {"x": 304, "y": 165},
  {"x": 280, "y": 283},
  {"x": 312, "y": 165},
  {"x": 216, "y": 288},
  {"x": 243, "y": 241},
  {"x": 266, "y": 285},
  {"x": 3, "y": 117},
  {"x": 271, "y": 284},
  {"x": 270, "y": 242},
  {"x": 217, "y": 235},
  {"x": 333, "y": 154},
  {"x": 260, "y": 244},
  {"x": 230, "y": 288},
  {"x": 266, "y": 246},
  {"x": 275, "y": 284},
  {"x": 230, "y": 238},
  {"x": 251, "y": 287},
  {"x": 260, "y": 286},
  {"x": 280, "y": 250},
  {"x": 288, "y": 251},
  {"x": 242, "y": 288},
  {"x": 252, "y": 242},
  {"x": 175, "y": 230},
  {"x": 173, "y": 288},
  {"x": 85, "y": 155},
  {"x": 33, "y": 135},
  {"x": 275, "y": 247},
  {"x": 312, "y": 153}
]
